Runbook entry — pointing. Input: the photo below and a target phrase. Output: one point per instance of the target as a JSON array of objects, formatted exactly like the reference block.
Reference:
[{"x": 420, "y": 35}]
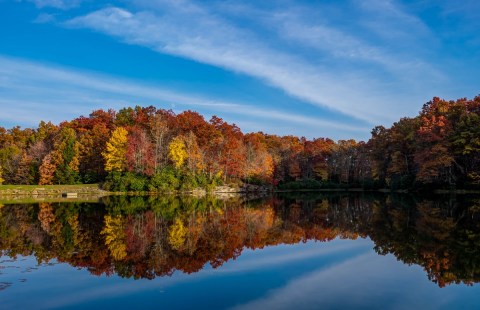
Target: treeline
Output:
[{"x": 145, "y": 148}]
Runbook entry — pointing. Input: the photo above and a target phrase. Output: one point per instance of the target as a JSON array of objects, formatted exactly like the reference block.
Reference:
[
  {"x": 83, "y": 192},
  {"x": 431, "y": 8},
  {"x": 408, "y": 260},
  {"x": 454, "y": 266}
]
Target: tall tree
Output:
[
  {"x": 47, "y": 168},
  {"x": 159, "y": 132},
  {"x": 433, "y": 155},
  {"x": 116, "y": 150},
  {"x": 92, "y": 144},
  {"x": 177, "y": 151},
  {"x": 139, "y": 152},
  {"x": 1, "y": 175},
  {"x": 24, "y": 171},
  {"x": 67, "y": 149},
  {"x": 195, "y": 162}
]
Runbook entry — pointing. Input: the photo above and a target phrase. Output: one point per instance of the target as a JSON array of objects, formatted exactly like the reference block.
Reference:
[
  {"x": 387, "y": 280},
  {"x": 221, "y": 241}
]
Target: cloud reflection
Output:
[{"x": 367, "y": 281}]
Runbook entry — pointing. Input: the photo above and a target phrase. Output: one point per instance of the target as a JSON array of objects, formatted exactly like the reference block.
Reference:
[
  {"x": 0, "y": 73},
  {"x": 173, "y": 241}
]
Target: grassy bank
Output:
[
  {"x": 49, "y": 193},
  {"x": 49, "y": 190},
  {"x": 30, "y": 188}
]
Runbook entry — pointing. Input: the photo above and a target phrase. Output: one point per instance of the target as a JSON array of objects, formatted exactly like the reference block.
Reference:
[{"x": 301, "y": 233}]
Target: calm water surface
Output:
[{"x": 287, "y": 252}]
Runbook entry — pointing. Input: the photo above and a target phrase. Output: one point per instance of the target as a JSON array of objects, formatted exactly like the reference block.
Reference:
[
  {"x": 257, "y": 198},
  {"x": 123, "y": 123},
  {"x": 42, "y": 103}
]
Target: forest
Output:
[{"x": 156, "y": 150}]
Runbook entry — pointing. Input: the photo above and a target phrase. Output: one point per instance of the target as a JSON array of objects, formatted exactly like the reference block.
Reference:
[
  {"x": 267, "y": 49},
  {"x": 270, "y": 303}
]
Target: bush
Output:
[
  {"x": 303, "y": 184},
  {"x": 167, "y": 179},
  {"x": 164, "y": 180},
  {"x": 90, "y": 177},
  {"x": 189, "y": 181},
  {"x": 135, "y": 183},
  {"x": 254, "y": 181},
  {"x": 118, "y": 182},
  {"x": 202, "y": 180},
  {"x": 113, "y": 182}
]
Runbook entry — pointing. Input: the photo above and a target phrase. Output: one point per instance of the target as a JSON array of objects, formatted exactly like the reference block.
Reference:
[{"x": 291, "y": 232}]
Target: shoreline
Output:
[{"x": 94, "y": 190}]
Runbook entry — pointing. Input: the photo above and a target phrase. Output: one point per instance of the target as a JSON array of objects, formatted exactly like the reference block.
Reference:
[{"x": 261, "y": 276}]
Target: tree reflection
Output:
[{"x": 145, "y": 237}]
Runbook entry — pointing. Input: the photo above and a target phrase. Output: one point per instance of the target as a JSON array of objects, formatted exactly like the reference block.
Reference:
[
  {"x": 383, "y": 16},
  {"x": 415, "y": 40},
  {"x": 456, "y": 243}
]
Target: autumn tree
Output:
[
  {"x": 177, "y": 151},
  {"x": 12, "y": 143},
  {"x": 380, "y": 153},
  {"x": 211, "y": 149},
  {"x": 231, "y": 151},
  {"x": 344, "y": 161},
  {"x": 403, "y": 145},
  {"x": 25, "y": 174},
  {"x": 316, "y": 153},
  {"x": 465, "y": 139},
  {"x": 139, "y": 157},
  {"x": 433, "y": 156},
  {"x": 194, "y": 161},
  {"x": 116, "y": 150},
  {"x": 93, "y": 133},
  {"x": 1, "y": 175},
  {"x": 47, "y": 169},
  {"x": 92, "y": 144},
  {"x": 258, "y": 162},
  {"x": 159, "y": 133}
]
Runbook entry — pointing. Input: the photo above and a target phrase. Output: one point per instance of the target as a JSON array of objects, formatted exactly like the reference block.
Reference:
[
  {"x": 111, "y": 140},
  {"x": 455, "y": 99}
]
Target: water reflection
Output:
[{"x": 147, "y": 237}]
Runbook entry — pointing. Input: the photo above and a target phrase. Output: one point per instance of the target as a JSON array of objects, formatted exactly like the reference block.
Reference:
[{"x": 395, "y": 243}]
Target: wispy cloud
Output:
[
  {"x": 44, "y": 18},
  {"x": 391, "y": 20},
  {"x": 192, "y": 31},
  {"x": 58, "y": 4},
  {"x": 26, "y": 86},
  {"x": 272, "y": 257},
  {"x": 337, "y": 45}
]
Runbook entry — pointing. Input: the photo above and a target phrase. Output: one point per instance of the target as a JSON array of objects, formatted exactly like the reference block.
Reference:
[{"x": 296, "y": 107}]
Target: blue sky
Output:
[{"x": 309, "y": 68}]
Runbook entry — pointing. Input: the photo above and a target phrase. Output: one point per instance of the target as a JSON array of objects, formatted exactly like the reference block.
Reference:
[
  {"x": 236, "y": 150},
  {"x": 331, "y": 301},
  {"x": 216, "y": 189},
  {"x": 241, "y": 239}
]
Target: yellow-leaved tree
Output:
[
  {"x": 116, "y": 150},
  {"x": 177, "y": 151},
  {"x": 194, "y": 154},
  {"x": 1, "y": 175}
]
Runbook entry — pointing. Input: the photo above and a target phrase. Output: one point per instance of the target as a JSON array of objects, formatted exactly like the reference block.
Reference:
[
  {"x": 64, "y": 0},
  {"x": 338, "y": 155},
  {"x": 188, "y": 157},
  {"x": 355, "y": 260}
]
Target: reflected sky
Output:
[
  {"x": 337, "y": 274},
  {"x": 290, "y": 252}
]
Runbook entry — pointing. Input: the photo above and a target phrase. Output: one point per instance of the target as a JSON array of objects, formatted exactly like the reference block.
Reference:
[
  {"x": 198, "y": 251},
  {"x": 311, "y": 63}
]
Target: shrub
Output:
[{"x": 164, "y": 180}]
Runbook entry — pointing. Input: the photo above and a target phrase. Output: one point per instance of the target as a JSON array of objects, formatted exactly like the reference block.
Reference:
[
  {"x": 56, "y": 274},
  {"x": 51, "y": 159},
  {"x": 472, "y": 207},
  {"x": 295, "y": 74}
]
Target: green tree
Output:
[{"x": 68, "y": 151}]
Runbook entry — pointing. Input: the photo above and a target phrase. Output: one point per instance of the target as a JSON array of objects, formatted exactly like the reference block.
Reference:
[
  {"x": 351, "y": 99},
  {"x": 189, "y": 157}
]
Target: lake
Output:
[{"x": 290, "y": 251}]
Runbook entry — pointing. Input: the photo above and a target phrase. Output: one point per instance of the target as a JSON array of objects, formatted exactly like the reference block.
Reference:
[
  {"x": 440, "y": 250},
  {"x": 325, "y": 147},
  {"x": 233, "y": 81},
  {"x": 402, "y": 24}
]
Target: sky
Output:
[{"x": 308, "y": 68}]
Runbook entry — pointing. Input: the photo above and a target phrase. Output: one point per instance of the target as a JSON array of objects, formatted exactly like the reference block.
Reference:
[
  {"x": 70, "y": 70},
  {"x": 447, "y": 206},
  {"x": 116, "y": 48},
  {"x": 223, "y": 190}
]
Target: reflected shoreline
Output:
[{"x": 147, "y": 237}]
